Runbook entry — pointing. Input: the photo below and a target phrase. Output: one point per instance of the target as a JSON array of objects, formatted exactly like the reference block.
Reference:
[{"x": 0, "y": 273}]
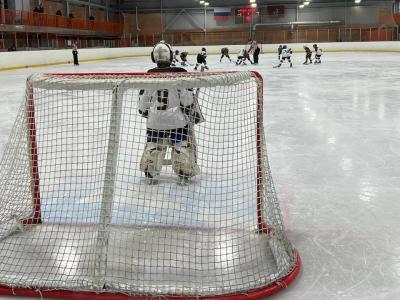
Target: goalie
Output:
[{"x": 171, "y": 114}]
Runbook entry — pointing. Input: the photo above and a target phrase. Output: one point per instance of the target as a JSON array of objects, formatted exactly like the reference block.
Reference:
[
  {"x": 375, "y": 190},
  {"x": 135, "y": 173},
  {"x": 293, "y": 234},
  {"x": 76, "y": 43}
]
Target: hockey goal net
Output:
[{"x": 78, "y": 217}]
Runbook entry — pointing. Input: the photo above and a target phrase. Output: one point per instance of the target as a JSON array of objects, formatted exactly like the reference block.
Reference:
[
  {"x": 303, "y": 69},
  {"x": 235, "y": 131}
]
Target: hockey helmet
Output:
[
  {"x": 203, "y": 49},
  {"x": 284, "y": 47},
  {"x": 162, "y": 53},
  {"x": 315, "y": 45}
]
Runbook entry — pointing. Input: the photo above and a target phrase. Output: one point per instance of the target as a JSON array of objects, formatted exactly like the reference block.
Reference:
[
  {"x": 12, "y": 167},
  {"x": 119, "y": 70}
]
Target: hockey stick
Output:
[{"x": 187, "y": 64}]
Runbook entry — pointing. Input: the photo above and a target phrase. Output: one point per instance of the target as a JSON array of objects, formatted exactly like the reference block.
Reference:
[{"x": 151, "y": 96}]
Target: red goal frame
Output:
[{"x": 35, "y": 218}]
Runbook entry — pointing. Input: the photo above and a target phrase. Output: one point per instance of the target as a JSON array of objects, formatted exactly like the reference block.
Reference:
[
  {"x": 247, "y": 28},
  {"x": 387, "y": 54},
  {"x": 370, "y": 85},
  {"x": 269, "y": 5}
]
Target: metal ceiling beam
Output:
[
  {"x": 183, "y": 11},
  {"x": 296, "y": 23},
  {"x": 154, "y": 4},
  {"x": 89, "y": 3}
]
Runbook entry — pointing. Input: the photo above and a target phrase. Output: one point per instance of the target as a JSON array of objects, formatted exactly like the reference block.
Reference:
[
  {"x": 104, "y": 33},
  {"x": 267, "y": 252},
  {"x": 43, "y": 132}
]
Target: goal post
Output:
[
  {"x": 32, "y": 145},
  {"x": 79, "y": 219}
]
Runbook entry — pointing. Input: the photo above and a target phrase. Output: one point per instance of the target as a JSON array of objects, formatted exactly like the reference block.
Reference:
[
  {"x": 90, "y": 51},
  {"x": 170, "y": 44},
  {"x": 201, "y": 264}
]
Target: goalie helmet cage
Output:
[{"x": 78, "y": 219}]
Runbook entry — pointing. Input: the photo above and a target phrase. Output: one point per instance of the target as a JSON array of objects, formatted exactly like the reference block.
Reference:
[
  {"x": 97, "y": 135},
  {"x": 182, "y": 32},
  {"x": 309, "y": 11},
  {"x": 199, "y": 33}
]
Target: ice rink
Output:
[{"x": 333, "y": 139}]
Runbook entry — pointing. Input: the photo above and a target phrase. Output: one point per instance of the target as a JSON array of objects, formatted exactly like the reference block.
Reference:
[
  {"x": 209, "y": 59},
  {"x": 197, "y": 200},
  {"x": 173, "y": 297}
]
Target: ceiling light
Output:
[
  {"x": 306, "y": 2},
  {"x": 253, "y": 5},
  {"x": 202, "y": 2},
  {"x": 206, "y": 4},
  {"x": 301, "y": 5},
  {"x": 252, "y": 1},
  {"x": 357, "y": 1}
]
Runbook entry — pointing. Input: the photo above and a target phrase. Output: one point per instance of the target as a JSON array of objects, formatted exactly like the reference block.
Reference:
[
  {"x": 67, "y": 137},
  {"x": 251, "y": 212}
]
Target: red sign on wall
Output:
[
  {"x": 247, "y": 12},
  {"x": 276, "y": 11}
]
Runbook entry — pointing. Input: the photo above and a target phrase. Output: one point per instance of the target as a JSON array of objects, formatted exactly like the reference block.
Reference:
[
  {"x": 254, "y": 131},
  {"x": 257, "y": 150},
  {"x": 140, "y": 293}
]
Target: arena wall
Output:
[
  {"x": 25, "y": 59},
  {"x": 352, "y": 15}
]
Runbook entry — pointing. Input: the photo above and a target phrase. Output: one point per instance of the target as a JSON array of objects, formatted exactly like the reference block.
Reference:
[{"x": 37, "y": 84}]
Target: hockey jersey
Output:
[
  {"x": 183, "y": 55},
  {"x": 287, "y": 53},
  {"x": 243, "y": 53},
  {"x": 201, "y": 57},
  {"x": 165, "y": 108},
  {"x": 318, "y": 51}
]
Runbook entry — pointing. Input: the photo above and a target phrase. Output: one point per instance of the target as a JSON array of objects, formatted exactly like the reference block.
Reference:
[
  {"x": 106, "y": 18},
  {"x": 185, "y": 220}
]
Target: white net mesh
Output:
[{"x": 77, "y": 212}]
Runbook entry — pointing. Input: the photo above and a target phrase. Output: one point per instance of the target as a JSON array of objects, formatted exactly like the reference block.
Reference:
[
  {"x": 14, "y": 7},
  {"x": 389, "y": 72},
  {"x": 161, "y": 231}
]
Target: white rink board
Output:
[{"x": 22, "y": 59}]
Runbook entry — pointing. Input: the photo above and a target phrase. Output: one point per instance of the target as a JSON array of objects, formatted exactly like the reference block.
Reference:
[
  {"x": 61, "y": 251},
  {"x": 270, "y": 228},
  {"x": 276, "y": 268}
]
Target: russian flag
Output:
[{"x": 222, "y": 13}]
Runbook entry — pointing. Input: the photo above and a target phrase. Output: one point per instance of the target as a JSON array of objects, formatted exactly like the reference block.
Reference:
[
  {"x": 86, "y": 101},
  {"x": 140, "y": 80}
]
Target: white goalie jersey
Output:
[{"x": 164, "y": 107}]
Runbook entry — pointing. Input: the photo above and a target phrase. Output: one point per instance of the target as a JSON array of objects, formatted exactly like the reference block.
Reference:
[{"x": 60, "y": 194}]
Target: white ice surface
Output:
[{"x": 333, "y": 138}]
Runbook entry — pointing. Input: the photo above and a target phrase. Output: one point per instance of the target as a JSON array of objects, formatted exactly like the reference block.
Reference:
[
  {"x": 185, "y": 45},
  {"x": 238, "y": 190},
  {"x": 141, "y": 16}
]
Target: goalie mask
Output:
[{"x": 162, "y": 53}]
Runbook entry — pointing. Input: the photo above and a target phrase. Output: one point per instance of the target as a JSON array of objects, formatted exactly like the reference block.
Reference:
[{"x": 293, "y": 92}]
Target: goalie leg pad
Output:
[
  {"x": 184, "y": 160},
  {"x": 152, "y": 159}
]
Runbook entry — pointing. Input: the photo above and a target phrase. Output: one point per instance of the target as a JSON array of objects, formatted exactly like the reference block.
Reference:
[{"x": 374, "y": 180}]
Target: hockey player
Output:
[
  {"x": 225, "y": 52},
  {"x": 175, "y": 60},
  {"x": 171, "y": 114},
  {"x": 183, "y": 57},
  {"x": 242, "y": 57},
  {"x": 286, "y": 54},
  {"x": 256, "y": 52},
  {"x": 318, "y": 54},
  {"x": 308, "y": 55},
  {"x": 201, "y": 60},
  {"x": 75, "y": 54},
  {"x": 280, "y": 48}
]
